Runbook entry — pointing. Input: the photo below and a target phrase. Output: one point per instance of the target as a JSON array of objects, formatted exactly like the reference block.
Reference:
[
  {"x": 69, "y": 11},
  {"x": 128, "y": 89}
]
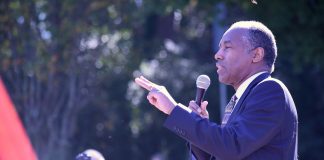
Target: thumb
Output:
[
  {"x": 204, "y": 105},
  {"x": 204, "y": 112}
]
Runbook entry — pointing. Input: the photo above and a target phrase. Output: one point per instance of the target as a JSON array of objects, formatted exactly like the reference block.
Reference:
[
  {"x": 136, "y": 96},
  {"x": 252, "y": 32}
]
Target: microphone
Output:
[
  {"x": 90, "y": 154},
  {"x": 202, "y": 84}
]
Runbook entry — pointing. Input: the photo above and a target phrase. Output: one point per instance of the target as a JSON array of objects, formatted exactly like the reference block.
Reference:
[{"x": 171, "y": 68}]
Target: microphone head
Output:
[
  {"x": 90, "y": 154},
  {"x": 203, "y": 82}
]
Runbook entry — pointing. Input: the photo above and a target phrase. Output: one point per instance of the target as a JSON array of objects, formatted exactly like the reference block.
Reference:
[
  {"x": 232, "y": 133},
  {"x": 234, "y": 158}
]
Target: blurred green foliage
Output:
[{"x": 69, "y": 67}]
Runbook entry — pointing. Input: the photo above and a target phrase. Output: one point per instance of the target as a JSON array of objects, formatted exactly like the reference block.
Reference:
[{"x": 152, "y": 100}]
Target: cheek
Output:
[
  {"x": 224, "y": 74},
  {"x": 233, "y": 68},
  {"x": 237, "y": 63}
]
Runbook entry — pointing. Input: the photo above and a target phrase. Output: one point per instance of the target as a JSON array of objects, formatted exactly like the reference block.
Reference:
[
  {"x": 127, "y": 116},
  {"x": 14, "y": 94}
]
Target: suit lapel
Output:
[{"x": 247, "y": 92}]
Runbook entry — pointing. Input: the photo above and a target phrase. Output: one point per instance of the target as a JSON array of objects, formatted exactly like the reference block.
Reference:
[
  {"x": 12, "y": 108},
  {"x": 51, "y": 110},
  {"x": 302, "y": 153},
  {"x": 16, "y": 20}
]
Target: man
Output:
[{"x": 260, "y": 122}]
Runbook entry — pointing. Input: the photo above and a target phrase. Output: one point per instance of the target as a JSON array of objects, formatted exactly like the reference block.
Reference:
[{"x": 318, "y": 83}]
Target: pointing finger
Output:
[
  {"x": 153, "y": 85},
  {"x": 143, "y": 84}
]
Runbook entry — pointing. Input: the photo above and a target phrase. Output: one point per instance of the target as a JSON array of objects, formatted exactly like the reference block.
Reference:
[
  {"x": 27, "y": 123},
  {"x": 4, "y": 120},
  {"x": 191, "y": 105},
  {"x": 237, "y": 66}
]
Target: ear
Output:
[{"x": 258, "y": 54}]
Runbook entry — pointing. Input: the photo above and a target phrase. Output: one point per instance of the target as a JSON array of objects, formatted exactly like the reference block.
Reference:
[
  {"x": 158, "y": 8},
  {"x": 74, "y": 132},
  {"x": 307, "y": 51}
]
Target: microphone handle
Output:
[{"x": 199, "y": 96}]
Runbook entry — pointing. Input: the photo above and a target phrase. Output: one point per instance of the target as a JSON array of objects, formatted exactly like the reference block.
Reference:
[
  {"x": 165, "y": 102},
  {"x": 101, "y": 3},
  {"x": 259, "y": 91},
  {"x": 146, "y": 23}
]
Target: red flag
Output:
[{"x": 14, "y": 143}]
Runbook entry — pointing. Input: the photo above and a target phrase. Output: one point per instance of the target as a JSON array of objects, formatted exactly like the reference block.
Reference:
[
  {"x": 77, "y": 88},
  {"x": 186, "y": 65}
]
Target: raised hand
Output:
[{"x": 158, "y": 95}]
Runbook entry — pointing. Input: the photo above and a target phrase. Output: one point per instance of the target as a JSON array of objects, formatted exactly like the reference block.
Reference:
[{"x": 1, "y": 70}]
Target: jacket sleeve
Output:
[
  {"x": 253, "y": 128},
  {"x": 198, "y": 153}
]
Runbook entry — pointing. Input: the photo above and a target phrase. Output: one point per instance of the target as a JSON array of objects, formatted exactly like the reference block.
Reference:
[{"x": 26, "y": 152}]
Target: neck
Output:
[{"x": 237, "y": 85}]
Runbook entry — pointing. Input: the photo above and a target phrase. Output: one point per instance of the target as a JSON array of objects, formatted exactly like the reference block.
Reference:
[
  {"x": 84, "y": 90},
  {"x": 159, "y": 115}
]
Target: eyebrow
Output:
[{"x": 225, "y": 42}]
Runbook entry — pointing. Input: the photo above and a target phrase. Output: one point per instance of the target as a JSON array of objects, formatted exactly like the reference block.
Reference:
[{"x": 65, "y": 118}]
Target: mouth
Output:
[{"x": 219, "y": 67}]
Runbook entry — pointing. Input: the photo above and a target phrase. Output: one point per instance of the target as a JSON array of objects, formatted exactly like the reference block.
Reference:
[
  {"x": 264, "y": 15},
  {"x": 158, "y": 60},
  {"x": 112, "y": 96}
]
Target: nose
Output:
[{"x": 218, "y": 56}]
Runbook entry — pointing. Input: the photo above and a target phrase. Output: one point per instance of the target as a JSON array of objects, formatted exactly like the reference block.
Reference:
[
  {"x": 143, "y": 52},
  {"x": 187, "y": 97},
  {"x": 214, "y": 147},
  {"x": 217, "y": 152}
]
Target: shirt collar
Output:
[{"x": 240, "y": 90}]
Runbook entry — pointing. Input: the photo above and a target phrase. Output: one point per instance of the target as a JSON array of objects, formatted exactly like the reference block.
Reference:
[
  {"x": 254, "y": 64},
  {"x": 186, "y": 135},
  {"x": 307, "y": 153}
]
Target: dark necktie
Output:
[{"x": 229, "y": 109}]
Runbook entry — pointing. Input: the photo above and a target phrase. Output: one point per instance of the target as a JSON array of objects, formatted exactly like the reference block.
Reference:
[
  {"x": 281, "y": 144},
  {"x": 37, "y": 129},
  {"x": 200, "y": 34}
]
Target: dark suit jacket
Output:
[{"x": 262, "y": 126}]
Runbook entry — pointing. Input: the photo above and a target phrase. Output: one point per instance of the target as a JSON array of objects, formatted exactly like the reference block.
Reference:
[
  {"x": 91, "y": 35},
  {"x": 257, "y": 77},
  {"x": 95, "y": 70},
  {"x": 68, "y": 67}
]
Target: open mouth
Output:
[{"x": 219, "y": 67}]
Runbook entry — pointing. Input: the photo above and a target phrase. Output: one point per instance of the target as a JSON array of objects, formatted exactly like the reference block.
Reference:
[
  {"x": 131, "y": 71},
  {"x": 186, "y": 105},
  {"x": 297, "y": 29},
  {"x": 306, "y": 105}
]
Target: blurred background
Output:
[{"x": 69, "y": 68}]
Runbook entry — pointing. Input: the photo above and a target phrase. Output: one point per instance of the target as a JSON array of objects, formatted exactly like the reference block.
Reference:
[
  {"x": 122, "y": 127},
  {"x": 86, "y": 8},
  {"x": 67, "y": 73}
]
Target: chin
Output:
[{"x": 223, "y": 80}]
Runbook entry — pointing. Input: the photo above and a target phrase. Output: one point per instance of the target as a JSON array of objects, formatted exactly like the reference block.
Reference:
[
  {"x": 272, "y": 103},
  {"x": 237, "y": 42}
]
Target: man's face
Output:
[{"x": 233, "y": 58}]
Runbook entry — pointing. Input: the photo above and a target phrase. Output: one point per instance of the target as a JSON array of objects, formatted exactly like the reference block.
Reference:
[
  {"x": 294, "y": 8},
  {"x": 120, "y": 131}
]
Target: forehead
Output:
[{"x": 234, "y": 36}]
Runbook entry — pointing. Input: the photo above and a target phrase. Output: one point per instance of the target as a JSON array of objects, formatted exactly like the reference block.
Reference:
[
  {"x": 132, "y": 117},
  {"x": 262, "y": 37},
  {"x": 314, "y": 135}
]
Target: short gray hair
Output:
[{"x": 260, "y": 36}]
